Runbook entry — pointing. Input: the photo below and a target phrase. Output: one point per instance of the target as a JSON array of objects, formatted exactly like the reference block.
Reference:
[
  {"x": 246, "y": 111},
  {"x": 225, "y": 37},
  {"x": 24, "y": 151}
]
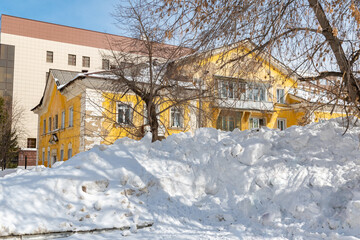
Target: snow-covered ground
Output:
[{"x": 301, "y": 183}]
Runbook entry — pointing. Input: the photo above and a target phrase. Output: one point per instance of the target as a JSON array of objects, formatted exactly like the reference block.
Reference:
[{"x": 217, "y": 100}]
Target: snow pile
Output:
[{"x": 303, "y": 182}]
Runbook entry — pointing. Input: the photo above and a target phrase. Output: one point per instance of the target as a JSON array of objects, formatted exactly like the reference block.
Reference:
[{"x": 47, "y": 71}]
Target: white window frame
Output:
[
  {"x": 258, "y": 122},
  {"x": 124, "y": 106},
  {"x": 56, "y": 122},
  {"x": 69, "y": 151},
  {"x": 224, "y": 90},
  {"x": 44, "y": 127},
  {"x": 48, "y": 157},
  {"x": 62, "y": 119},
  {"x": 284, "y": 122},
  {"x": 280, "y": 98},
  {"x": 71, "y": 116},
  {"x": 180, "y": 111},
  {"x": 43, "y": 156},
  {"x": 50, "y": 122},
  {"x": 256, "y": 93}
]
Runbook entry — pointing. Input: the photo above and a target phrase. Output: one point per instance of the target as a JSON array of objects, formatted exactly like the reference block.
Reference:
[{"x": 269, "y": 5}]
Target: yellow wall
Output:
[
  {"x": 66, "y": 136},
  {"x": 116, "y": 131}
]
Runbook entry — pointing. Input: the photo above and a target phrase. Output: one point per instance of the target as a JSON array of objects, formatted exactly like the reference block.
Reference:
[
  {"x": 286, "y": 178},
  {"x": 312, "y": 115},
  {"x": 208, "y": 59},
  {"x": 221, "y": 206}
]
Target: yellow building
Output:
[{"x": 78, "y": 111}]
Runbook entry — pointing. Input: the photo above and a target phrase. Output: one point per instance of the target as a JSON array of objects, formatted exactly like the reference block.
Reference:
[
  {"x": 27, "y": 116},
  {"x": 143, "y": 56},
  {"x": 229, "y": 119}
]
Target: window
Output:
[
  {"x": 227, "y": 89},
  {"x": 72, "y": 59},
  {"x": 49, "y": 124},
  {"x": 228, "y": 120},
  {"x": 227, "y": 123},
  {"x": 48, "y": 157},
  {"x": 43, "y": 157},
  {"x": 280, "y": 96},
  {"x": 256, "y": 93},
  {"x": 281, "y": 124},
  {"x": 49, "y": 56},
  {"x": 256, "y": 123},
  {"x": 56, "y": 121},
  {"x": 71, "y": 115},
  {"x": 106, "y": 64},
  {"x": 63, "y": 120},
  {"x": 62, "y": 155},
  {"x": 124, "y": 113},
  {"x": 44, "y": 126},
  {"x": 85, "y": 61},
  {"x": 176, "y": 117},
  {"x": 69, "y": 153},
  {"x": 31, "y": 143}
]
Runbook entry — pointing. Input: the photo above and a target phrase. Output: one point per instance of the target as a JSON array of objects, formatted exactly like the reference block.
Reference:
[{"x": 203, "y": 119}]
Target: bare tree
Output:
[
  {"x": 9, "y": 123},
  {"x": 147, "y": 72},
  {"x": 318, "y": 39}
]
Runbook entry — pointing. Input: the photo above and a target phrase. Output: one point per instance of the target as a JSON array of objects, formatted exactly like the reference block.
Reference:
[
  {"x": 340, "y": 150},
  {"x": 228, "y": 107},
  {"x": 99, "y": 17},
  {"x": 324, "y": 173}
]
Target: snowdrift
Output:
[{"x": 303, "y": 182}]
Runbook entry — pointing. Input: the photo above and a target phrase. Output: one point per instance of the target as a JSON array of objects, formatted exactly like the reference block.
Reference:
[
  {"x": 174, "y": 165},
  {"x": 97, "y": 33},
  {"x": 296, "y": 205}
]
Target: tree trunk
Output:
[
  {"x": 337, "y": 49},
  {"x": 153, "y": 121}
]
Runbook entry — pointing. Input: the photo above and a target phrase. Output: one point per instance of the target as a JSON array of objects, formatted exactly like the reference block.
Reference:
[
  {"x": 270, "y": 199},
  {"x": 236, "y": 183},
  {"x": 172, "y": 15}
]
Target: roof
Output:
[
  {"x": 63, "y": 77},
  {"x": 60, "y": 33}
]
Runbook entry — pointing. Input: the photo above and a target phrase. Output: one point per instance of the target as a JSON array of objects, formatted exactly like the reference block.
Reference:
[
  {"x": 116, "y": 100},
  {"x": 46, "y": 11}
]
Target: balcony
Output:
[{"x": 244, "y": 104}]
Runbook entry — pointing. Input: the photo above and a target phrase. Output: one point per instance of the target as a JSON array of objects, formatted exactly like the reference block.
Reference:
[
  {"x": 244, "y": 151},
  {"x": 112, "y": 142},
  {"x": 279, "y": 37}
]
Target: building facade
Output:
[{"x": 29, "y": 48}]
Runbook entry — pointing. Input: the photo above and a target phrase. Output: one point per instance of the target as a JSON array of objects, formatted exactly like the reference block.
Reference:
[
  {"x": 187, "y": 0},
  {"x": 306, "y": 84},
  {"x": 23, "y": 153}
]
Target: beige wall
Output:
[{"x": 31, "y": 67}]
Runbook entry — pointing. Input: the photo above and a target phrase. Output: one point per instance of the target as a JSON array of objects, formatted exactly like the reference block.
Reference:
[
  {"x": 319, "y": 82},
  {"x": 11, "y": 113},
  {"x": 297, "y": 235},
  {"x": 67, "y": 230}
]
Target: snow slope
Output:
[{"x": 301, "y": 183}]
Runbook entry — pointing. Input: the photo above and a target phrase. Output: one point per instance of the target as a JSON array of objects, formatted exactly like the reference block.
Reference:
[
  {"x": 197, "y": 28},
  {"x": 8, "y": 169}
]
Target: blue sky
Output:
[{"x": 89, "y": 14}]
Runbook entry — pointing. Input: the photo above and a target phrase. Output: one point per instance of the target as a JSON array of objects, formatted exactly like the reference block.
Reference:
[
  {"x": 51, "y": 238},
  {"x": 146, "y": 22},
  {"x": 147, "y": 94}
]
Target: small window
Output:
[
  {"x": 49, "y": 124},
  {"x": 124, "y": 113},
  {"x": 176, "y": 117},
  {"x": 106, "y": 64},
  {"x": 71, "y": 116},
  {"x": 72, "y": 59},
  {"x": 43, "y": 157},
  {"x": 56, "y": 122},
  {"x": 62, "y": 155},
  {"x": 85, "y": 61},
  {"x": 256, "y": 123},
  {"x": 49, "y": 56},
  {"x": 281, "y": 124},
  {"x": 48, "y": 157},
  {"x": 31, "y": 143},
  {"x": 63, "y": 120},
  {"x": 69, "y": 153},
  {"x": 280, "y": 96},
  {"x": 44, "y": 126}
]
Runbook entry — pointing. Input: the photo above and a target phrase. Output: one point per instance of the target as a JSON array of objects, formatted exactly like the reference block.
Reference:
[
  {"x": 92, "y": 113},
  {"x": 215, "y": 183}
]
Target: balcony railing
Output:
[{"x": 244, "y": 104}]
